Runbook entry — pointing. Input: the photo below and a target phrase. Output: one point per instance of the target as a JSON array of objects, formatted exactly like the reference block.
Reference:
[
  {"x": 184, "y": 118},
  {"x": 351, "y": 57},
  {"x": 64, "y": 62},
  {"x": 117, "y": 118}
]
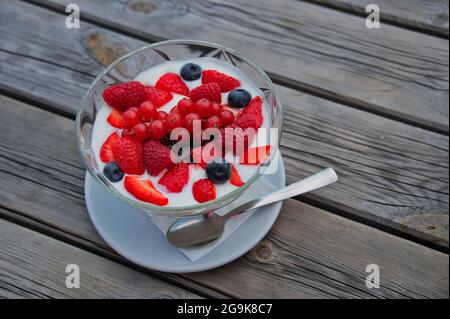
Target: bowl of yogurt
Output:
[{"x": 179, "y": 127}]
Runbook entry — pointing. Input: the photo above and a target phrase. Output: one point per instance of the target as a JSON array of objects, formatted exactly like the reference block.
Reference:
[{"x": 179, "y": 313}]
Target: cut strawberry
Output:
[
  {"x": 209, "y": 91},
  {"x": 129, "y": 156},
  {"x": 115, "y": 118},
  {"x": 235, "y": 179},
  {"x": 106, "y": 153},
  {"x": 176, "y": 178},
  {"x": 251, "y": 115},
  {"x": 157, "y": 97},
  {"x": 226, "y": 82},
  {"x": 144, "y": 190},
  {"x": 255, "y": 155},
  {"x": 204, "y": 190},
  {"x": 123, "y": 96},
  {"x": 172, "y": 82}
]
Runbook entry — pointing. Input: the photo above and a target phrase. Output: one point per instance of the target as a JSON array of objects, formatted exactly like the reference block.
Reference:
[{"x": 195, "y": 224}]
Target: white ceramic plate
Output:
[{"x": 131, "y": 233}]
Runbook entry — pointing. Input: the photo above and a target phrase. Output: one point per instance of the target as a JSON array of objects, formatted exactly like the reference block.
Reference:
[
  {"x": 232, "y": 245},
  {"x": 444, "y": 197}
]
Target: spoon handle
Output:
[{"x": 318, "y": 180}]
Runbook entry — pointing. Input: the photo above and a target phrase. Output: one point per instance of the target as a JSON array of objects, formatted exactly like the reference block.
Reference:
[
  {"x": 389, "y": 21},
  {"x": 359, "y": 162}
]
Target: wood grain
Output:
[
  {"x": 391, "y": 174},
  {"x": 390, "y": 71},
  {"x": 33, "y": 265},
  {"x": 310, "y": 253},
  {"x": 422, "y": 15}
]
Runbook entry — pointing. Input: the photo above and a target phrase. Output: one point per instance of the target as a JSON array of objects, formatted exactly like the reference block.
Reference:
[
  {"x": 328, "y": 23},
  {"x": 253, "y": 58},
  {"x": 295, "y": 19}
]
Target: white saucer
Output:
[{"x": 131, "y": 233}]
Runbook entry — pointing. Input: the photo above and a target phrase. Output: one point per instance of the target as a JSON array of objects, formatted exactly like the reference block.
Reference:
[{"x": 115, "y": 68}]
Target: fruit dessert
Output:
[{"x": 135, "y": 145}]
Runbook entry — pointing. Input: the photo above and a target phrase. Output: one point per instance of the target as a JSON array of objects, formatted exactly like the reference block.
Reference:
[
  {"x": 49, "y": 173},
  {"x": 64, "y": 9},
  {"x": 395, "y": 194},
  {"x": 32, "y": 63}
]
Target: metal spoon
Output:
[{"x": 204, "y": 229}]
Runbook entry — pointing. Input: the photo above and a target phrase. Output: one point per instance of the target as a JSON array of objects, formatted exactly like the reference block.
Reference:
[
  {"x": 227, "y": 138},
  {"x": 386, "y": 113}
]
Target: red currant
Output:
[
  {"x": 213, "y": 121},
  {"x": 189, "y": 121},
  {"x": 141, "y": 132},
  {"x": 175, "y": 110},
  {"x": 127, "y": 132},
  {"x": 185, "y": 106},
  {"x": 227, "y": 117},
  {"x": 174, "y": 120},
  {"x": 158, "y": 129},
  {"x": 147, "y": 112},
  {"x": 216, "y": 108},
  {"x": 162, "y": 115},
  {"x": 203, "y": 107},
  {"x": 130, "y": 118}
]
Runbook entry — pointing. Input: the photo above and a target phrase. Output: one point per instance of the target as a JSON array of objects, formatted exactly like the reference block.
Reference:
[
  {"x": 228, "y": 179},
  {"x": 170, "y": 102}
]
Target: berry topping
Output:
[
  {"x": 191, "y": 72},
  {"x": 140, "y": 132},
  {"x": 203, "y": 107},
  {"x": 210, "y": 91},
  {"x": 131, "y": 118},
  {"x": 213, "y": 122},
  {"x": 147, "y": 112},
  {"x": 144, "y": 190},
  {"x": 227, "y": 117},
  {"x": 175, "y": 178},
  {"x": 218, "y": 171},
  {"x": 173, "y": 83},
  {"x": 255, "y": 155},
  {"x": 235, "y": 179},
  {"x": 115, "y": 118},
  {"x": 173, "y": 121},
  {"x": 239, "y": 98},
  {"x": 216, "y": 108},
  {"x": 158, "y": 129},
  {"x": 185, "y": 106},
  {"x": 156, "y": 157},
  {"x": 252, "y": 115},
  {"x": 106, "y": 153},
  {"x": 113, "y": 172},
  {"x": 124, "y": 95},
  {"x": 162, "y": 115},
  {"x": 129, "y": 156},
  {"x": 236, "y": 139},
  {"x": 157, "y": 97},
  {"x": 189, "y": 121},
  {"x": 226, "y": 82},
  {"x": 127, "y": 132},
  {"x": 175, "y": 110},
  {"x": 203, "y": 190}
]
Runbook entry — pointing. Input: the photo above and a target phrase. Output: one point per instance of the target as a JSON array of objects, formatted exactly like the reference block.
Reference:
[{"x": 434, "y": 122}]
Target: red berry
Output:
[
  {"x": 204, "y": 190},
  {"x": 106, "y": 153},
  {"x": 213, "y": 122},
  {"x": 156, "y": 157},
  {"x": 175, "y": 109},
  {"x": 189, "y": 121},
  {"x": 176, "y": 178},
  {"x": 144, "y": 190},
  {"x": 158, "y": 129},
  {"x": 203, "y": 107},
  {"x": 173, "y": 121},
  {"x": 255, "y": 155},
  {"x": 216, "y": 108},
  {"x": 162, "y": 115},
  {"x": 127, "y": 132},
  {"x": 210, "y": 91},
  {"x": 140, "y": 132},
  {"x": 131, "y": 118},
  {"x": 115, "y": 118},
  {"x": 251, "y": 115},
  {"x": 227, "y": 117},
  {"x": 172, "y": 82},
  {"x": 185, "y": 106},
  {"x": 226, "y": 82},
  {"x": 129, "y": 156},
  {"x": 157, "y": 97},
  {"x": 124, "y": 95},
  {"x": 147, "y": 112},
  {"x": 235, "y": 179}
]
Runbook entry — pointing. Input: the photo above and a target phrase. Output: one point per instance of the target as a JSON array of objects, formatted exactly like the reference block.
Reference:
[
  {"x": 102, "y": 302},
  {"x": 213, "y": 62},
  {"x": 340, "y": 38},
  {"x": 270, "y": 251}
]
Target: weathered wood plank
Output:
[
  {"x": 423, "y": 15},
  {"x": 33, "y": 265},
  {"x": 309, "y": 253},
  {"x": 391, "y": 173},
  {"x": 391, "y": 71}
]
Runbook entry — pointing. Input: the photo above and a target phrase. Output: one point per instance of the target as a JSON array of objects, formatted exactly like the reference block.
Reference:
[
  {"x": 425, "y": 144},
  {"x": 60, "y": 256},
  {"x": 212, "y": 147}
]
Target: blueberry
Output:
[
  {"x": 113, "y": 172},
  {"x": 191, "y": 72},
  {"x": 239, "y": 98},
  {"x": 218, "y": 171}
]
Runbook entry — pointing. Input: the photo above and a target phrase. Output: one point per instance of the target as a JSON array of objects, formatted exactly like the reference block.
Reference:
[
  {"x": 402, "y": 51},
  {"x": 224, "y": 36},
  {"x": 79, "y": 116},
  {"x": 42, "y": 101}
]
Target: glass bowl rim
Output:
[{"x": 187, "y": 210}]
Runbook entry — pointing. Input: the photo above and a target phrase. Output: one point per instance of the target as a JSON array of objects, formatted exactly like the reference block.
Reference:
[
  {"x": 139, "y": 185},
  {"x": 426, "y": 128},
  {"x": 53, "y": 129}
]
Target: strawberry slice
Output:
[
  {"x": 251, "y": 115},
  {"x": 226, "y": 82},
  {"x": 129, "y": 156},
  {"x": 106, "y": 153},
  {"x": 144, "y": 190},
  {"x": 157, "y": 97},
  {"x": 209, "y": 91},
  {"x": 172, "y": 82},
  {"x": 255, "y": 155},
  {"x": 115, "y": 118},
  {"x": 235, "y": 179},
  {"x": 175, "y": 178}
]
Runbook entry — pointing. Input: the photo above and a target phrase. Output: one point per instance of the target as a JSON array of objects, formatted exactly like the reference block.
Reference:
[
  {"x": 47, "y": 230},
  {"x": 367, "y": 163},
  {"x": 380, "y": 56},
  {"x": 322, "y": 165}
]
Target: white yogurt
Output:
[{"x": 102, "y": 129}]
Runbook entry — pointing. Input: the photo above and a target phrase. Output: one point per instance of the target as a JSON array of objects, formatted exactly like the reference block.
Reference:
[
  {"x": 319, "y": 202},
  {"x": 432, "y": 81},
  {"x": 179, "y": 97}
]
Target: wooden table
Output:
[{"x": 371, "y": 103}]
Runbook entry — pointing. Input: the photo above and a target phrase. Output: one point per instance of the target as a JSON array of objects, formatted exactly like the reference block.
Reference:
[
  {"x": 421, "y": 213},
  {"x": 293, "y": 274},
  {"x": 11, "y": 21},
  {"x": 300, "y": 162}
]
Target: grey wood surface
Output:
[
  {"x": 310, "y": 253},
  {"x": 391, "y": 173},
  {"x": 390, "y": 71},
  {"x": 33, "y": 265},
  {"x": 423, "y": 15}
]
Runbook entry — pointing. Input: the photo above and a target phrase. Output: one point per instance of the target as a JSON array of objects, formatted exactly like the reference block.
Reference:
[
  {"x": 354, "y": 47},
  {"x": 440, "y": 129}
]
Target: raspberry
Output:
[
  {"x": 175, "y": 178},
  {"x": 209, "y": 91},
  {"x": 156, "y": 157},
  {"x": 204, "y": 190},
  {"x": 172, "y": 82},
  {"x": 251, "y": 115},
  {"x": 129, "y": 156},
  {"x": 226, "y": 82},
  {"x": 125, "y": 95},
  {"x": 157, "y": 97}
]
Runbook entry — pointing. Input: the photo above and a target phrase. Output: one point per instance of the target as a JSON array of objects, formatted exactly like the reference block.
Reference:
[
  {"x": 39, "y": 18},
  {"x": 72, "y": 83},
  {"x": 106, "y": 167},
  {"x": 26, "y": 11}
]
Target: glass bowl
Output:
[{"x": 128, "y": 67}]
